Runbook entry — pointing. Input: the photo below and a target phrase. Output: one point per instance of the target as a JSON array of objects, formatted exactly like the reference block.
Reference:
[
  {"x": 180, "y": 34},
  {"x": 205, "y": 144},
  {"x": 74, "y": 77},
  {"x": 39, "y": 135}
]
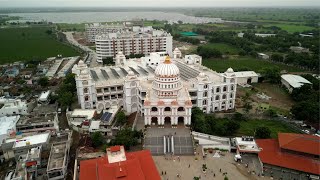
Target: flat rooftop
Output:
[
  {"x": 57, "y": 156},
  {"x": 7, "y": 123},
  {"x": 295, "y": 80},
  {"x": 247, "y": 146},
  {"x": 88, "y": 113},
  {"x": 31, "y": 140},
  {"x": 41, "y": 119}
]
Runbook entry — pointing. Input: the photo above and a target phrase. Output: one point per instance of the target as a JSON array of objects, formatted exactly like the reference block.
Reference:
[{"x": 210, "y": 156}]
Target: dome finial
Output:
[{"x": 167, "y": 60}]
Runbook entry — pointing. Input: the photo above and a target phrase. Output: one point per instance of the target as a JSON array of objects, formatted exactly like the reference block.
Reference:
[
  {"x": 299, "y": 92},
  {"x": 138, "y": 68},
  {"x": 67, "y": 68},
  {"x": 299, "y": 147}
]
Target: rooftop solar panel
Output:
[{"x": 106, "y": 117}]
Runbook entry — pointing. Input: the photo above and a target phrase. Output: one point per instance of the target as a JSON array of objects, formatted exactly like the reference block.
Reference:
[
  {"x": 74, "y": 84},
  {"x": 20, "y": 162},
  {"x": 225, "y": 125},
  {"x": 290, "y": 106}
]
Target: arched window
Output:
[
  {"x": 205, "y": 86},
  {"x": 85, "y": 90},
  {"x": 204, "y": 102},
  {"x": 181, "y": 109},
  {"x": 217, "y": 97},
  {"x": 86, "y": 98},
  {"x": 224, "y": 88},
  {"x": 154, "y": 109},
  {"x": 224, "y": 96},
  {"x": 231, "y": 95},
  {"x": 232, "y": 87},
  {"x": 218, "y": 89},
  {"x": 205, "y": 94},
  {"x": 167, "y": 109}
]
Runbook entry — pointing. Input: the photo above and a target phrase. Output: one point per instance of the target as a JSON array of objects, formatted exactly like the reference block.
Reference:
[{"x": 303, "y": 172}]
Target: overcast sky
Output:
[{"x": 156, "y": 3}]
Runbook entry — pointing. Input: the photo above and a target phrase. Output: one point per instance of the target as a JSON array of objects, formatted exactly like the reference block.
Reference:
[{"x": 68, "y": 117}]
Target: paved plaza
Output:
[
  {"x": 154, "y": 140},
  {"x": 171, "y": 166}
]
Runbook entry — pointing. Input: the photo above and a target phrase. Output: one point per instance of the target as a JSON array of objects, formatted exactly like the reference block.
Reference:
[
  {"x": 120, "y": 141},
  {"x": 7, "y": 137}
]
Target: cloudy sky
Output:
[{"x": 156, "y": 3}]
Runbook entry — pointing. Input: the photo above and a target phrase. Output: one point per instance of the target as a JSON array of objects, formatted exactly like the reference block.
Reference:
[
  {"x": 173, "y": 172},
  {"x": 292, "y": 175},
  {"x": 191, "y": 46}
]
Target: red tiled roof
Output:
[
  {"x": 309, "y": 144},
  {"x": 138, "y": 166},
  {"x": 271, "y": 154},
  {"x": 115, "y": 148}
]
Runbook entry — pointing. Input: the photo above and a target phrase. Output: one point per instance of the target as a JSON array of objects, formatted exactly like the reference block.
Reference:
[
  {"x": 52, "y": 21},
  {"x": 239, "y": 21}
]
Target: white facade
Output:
[
  {"x": 96, "y": 28},
  {"x": 246, "y": 77},
  {"x": 132, "y": 82},
  {"x": 291, "y": 81},
  {"x": 136, "y": 42},
  {"x": 7, "y": 126},
  {"x": 10, "y": 107}
]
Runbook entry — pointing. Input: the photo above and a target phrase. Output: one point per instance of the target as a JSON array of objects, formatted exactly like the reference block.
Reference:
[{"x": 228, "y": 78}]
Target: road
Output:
[{"x": 92, "y": 59}]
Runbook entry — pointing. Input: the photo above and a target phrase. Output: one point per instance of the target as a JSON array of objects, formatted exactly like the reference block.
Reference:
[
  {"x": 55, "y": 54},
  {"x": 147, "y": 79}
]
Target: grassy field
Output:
[
  {"x": 248, "y": 127},
  {"x": 71, "y": 27},
  {"x": 248, "y": 63},
  {"x": 20, "y": 44},
  {"x": 224, "y": 48},
  {"x": 291, "y": 28}
]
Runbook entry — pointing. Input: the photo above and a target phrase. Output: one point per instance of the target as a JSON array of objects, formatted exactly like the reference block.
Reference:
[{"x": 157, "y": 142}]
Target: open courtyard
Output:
[{"x": 169, "y": 167}]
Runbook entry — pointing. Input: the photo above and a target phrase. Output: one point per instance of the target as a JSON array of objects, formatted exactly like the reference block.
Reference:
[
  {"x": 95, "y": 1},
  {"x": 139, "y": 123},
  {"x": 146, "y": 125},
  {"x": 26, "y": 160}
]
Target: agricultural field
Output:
[
  {"x": 224, "y": 48},
  {"x": 291, "y": 28},
  {"x": 245, "y": 63},
  {"x": 39, "y": 43},
  {"x": 248, "y": 127}
]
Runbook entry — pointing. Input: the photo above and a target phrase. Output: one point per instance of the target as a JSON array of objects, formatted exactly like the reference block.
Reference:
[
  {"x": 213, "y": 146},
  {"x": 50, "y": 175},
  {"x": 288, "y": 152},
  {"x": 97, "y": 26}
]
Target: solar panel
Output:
[
  {"x": 143, "y": 70},
  {"x": 105, "y": 74},
  {"x": 106, "y": 117},
  {"x": 124, "y": 71},
  {"x": 115, "y": 73},
  {"x": 94, "y": 75},
  {"x": 135, "y": 71}
]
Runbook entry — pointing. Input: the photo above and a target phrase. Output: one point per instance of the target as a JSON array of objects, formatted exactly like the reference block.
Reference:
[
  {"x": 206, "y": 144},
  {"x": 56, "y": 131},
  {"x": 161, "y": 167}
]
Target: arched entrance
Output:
[
  {"x": 249, "y": 80},
  {"x": 180, "y": 120},
  {"x": 154, "y": 121},
  {"x": 167, "y": 120}
]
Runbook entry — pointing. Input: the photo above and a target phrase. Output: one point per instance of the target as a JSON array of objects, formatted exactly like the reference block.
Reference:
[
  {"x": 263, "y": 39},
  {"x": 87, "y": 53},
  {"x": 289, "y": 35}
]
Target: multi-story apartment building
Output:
[
  {"x": 141, "y": 40},
  {"x": 129, "y": 82},
  {"x": 97, "y": 28}
]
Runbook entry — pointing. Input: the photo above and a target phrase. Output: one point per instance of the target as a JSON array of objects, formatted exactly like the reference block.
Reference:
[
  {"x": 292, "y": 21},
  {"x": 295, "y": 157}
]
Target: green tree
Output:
[
  {"x": 247, "y": 106},
  {"x": 271, "y": 74},
  {"x": 108, "y": 61},
  {"x": 262, "y": 132},
  {"x": 43, "y": 81},
  {"x": 306, "y": 110},
  {"x": 97, "y": 139},
  {"x": 65, "y": 99},
  {"x": 121, "y": 118},
  {"x": 277, "y": 57},
  {"x": 125, "y": 137},
  {"x": 197, "y": 119},
  {"x": 49, "y": 31},
  {"x": 238, "y": 117},
  {"x": 271, "y": 113}
]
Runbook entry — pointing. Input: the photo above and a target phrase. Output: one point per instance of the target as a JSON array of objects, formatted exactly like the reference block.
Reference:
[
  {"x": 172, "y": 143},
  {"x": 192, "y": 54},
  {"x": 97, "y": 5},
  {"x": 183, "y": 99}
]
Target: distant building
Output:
[
  {"x": 141, "y": 40},
  {"x": 264, "y": 35},
  {"x": 97, "y": 28},
  {"x": 291, "y": 81},
  {"x": 117, "y": 164},
  {"x": 299, "y": 49},
  {"x": 39, "y": 123},
  {"x": 246, "y": 77},
  {"x": 263, "y": 56},
  {"x": 306, "y": 35},
  {"x": 12, "y": 73},
  {"x": 295, "y": 154},
  {"x": 240, "y": 35}
]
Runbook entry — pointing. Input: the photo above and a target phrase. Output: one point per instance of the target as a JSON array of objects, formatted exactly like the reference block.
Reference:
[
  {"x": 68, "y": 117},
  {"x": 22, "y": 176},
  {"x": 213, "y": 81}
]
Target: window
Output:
[
  {"x": 232, "y": 87},
  {"x": 205, "y": 94},
  {"x": 181, "y": 109},
  {"x": 218, "y": 89},
  {"x": 85, "y": 90},
  {"x": 86, "y": 98},
  {"x": 231, "y": 95},
  {"x": 205, "y": 86},
  {"x": 224, "y": 88},
  {"x": 224, "y": 96},
  {"x": 217, "y": 97},
  {"x": 204, "y": 102},
  {"x": 167, "y": 109},
  {"x": 154, "y": 109}
]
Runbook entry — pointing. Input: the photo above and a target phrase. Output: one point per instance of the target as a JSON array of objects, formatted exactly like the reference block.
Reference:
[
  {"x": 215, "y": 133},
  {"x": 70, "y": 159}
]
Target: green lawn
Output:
[
  {"x": 20, "y": 44},
  {"x": 248, "y": 127},
  {"x": 244, "y": 63},
  {"x": 291, "y": 28},
  {"x": 71, "y": 27},
  {"x": 224, "y": 48}
]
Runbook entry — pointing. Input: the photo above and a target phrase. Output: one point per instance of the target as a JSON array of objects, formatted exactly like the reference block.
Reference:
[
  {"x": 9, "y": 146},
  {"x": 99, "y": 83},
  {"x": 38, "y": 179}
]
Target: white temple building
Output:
[{"x": 160, "y": 88}]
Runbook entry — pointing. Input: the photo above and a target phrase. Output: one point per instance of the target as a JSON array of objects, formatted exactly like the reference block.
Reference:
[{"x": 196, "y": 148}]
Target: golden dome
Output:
[{"x": 167, "y": 60}]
